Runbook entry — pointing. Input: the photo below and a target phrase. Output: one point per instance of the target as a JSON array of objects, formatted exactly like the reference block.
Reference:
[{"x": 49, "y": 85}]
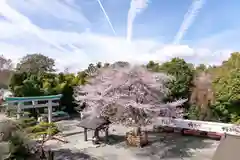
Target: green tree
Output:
[
  {"x": 36, "y": 63},
  {"x": 82, "y": 76},
  {"x": 153, "y": 66},
  {"x": 99, "y": 65},
  {"x": 106, "y": 65},
  {"x": 91, "y": 69},
  {"x": 201, "y": 68},
  {"x": 227, "y": 86},
  {"x": 16, "y": 83},
  {"x": 66, "y": 83},
  {"x": 67, "y": 99},
  {"x": 183, "y": 73}
]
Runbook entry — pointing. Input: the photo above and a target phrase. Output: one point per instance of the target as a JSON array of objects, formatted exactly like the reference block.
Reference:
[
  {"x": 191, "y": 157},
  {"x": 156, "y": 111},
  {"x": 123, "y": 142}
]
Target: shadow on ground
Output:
[
  {"x": 67, "y": 154},
  {"x": 170, "y": 145},
  {"x": 67, "y": 125},
  {"x": 114, "y": 139},
  {"x": 71, "y": 134}
]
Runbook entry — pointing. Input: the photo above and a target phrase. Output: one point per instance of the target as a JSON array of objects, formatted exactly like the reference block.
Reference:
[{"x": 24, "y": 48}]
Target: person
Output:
[{"x": 95, "y": 138}]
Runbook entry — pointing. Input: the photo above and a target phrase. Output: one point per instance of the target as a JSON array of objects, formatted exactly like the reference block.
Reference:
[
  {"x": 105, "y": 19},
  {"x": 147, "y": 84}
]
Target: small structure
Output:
[
  {"x": 11, "y": 101},
  {"x": 96, "y": 124}
]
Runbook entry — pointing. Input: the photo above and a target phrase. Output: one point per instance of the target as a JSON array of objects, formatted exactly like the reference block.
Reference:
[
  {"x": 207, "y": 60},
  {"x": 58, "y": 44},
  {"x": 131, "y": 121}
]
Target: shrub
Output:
[
  {"x": 7, "y": 128},
  {"x": 11, "y": 112},
  {"x": 43, "y": 128},
  {"x": 27, "y": 122},
  {"x": 13, "y": 142},
  {"x": 193, "y": 112},
  {"x": 18, "y": 146}
]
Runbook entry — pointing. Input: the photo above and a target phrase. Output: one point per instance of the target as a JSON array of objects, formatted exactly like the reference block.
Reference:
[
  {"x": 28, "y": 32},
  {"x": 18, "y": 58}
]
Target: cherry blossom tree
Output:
[{"x": 130, "y": 95}]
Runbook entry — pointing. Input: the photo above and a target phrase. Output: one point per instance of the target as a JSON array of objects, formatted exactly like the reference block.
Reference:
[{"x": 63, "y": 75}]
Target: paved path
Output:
[
  {"x": 163, "y": 146},
  {"x": 3, "y": 117}
]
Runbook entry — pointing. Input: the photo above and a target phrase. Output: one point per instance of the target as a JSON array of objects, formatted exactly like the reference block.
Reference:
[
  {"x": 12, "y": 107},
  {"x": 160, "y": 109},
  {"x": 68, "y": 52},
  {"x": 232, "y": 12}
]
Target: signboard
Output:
[{"x": 199, "y": 125}]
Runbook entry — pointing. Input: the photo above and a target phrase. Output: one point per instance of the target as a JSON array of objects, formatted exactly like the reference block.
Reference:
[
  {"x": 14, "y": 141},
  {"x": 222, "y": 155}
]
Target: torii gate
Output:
[{"x": 20, "y": 103}]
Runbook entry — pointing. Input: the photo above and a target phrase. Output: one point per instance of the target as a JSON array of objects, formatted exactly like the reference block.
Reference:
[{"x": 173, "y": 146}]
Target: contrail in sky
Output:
[
  {"x": 109, "y": 22},
  {"x": 189, "y": 18},
  {"x": 136, "y": 7},
  {"x": 24, "y": 23}
]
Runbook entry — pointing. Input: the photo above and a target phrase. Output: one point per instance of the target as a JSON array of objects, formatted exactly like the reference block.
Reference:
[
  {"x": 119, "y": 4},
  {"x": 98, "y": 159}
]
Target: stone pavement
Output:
[{"x": 162, "y": 146}]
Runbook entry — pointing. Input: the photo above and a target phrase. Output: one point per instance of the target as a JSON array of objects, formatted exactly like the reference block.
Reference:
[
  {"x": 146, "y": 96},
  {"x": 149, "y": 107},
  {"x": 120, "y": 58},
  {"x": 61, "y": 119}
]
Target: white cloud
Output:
[
  {"x": 19, "y": 36},
  {"x": 176, "y": 50},
  {"x": 23, "y": 23},
  {"x": 93, "y": 48},
  {"x": 60, "y": 10},
  {"x": 9, "y": 30}
]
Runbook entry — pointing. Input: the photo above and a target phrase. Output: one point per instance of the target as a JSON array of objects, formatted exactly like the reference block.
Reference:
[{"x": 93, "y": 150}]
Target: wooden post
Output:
[
  {"x": 37, "y": 110},
  {"x": 96, "y": 133},
  {"x": 49, "y": 111},
  {"x": 49, "y": 117},
  {"x": 7, "y": 107},
  {"x": 7, "y": 111},
  {"x": 85, "y": 134},
  {"x": 34, "y": 109},
  {"x": 19, "y": 110},
  {"x": 50, "y": 155},
  {"x": 33, "y": 103},
  {"x": 106, "y": 134}
]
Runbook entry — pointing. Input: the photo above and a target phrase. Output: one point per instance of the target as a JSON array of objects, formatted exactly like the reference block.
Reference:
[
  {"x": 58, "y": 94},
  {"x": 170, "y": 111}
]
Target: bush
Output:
[
  {"x": 14, "y": 144},
  {"x": 7, "y": 128},
  {"x": 26, "y": 114},
  {"x": 11, "y": 112},
  {"x": 193, "y": 113},
  {"x": 18, "y": 146},
  {"x": 43, "y": 128},
  {"x": 2, "y": 108},
  {"x": 27, "y": 122}
]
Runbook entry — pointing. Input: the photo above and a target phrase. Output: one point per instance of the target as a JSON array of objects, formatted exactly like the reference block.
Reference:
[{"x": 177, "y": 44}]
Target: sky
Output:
[{"x": 79, "y": 32}]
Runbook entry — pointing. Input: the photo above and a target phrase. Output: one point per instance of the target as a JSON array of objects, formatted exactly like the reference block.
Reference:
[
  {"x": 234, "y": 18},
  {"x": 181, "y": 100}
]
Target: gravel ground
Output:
[
  {"x": 164, "y": 146},
  {"x": 3, "y": 117}
]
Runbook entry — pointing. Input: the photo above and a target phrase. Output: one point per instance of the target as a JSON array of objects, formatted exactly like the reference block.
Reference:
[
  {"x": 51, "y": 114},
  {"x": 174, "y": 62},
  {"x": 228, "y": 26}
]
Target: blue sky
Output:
[{"x": 77, "y": 32}]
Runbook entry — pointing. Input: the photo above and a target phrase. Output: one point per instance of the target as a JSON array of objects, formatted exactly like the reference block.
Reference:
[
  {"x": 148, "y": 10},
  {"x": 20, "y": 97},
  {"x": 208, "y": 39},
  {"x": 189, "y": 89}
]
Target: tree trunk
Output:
[
  {"x": 137, "y": 131},
  {"x": 202, "y": 113},
  {"x": 205, "y": 113},
  {"x": 208, "y": 114},
  {"x": 50, "y": 155}
]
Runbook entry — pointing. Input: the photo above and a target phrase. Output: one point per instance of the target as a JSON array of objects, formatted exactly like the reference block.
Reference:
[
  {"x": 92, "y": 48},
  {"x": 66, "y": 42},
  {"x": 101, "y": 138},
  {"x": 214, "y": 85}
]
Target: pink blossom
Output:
[{"x": 130, "y": 95}]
